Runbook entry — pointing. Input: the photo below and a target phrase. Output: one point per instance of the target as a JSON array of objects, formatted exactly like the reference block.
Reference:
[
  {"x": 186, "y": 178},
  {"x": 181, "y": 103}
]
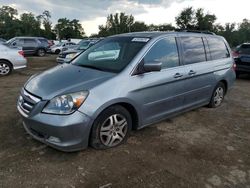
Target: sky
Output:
[{"x": 92, "y": 13}]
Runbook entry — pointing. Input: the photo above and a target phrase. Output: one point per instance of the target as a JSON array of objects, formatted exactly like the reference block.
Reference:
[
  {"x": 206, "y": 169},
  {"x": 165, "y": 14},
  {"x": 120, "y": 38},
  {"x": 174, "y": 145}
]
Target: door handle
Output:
[
  {"x": 191, "y": 72},
  {"x": 178, "y": 75}
]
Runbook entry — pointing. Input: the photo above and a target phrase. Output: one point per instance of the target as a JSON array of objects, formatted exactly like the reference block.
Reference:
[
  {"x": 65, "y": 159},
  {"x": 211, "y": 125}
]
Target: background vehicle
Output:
[
  {"x": 68, "y": 55},
  {"x": 58, "y": 47},
  {"x": 2, "y": 40},
  {"x": 125, "y": 81},
  {"x": 241, "y": 56},
  {"x": 30, "y": 45},
  {"x": 11, "y": 58}
]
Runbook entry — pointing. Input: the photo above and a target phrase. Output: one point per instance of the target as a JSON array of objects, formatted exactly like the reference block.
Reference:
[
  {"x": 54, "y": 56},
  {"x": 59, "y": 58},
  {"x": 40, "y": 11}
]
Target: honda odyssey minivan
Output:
[{"x": 125, "y": 82}]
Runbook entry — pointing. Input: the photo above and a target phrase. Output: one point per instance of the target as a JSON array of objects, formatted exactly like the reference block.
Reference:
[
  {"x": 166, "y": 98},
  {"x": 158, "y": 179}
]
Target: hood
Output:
[{"x": 65, "y": 79}]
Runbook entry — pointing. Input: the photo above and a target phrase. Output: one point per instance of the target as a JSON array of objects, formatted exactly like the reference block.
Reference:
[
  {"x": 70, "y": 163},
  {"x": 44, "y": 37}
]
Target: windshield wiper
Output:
[{"x": 90, "y": 66}]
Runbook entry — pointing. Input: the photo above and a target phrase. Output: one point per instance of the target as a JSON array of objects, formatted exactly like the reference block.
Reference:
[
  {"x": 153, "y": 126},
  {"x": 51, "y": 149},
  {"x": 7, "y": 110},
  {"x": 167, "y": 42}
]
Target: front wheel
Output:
[
  {"x": 111, "y": 128},
  {"x": 218, "y": 95}
]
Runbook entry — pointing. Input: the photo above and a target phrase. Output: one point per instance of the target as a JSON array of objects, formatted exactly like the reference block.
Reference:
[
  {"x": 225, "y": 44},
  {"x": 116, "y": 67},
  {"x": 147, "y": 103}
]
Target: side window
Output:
[
  {"x": 218, "y": 48},
  {"x": 17, "y": 42},
  {"x": 29, "y": 42},
  {"x": 193, "y": 50},
  {"x": 164, "y": 51},
  {"x": 245, "y": 49}
]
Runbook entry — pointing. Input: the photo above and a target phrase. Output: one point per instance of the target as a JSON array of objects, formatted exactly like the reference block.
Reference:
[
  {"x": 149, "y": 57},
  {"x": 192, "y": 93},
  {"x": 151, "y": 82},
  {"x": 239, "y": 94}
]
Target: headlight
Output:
[
  {"x": 66, "y": 104},
  {"x": 71, "y": 56}
]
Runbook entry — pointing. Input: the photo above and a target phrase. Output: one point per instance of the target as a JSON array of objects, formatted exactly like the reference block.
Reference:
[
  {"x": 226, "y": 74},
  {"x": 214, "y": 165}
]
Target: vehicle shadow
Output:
[{"x": 244, "y": 77}]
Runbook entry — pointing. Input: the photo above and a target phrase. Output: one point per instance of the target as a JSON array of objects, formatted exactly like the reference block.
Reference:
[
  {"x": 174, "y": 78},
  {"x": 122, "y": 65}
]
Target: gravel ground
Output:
[{"x": 201, "y": 148}]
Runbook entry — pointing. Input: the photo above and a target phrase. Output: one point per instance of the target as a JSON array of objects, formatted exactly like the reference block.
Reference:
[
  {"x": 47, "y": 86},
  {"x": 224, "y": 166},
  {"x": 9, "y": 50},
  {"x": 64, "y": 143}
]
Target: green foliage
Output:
[
  {"x": 66, "y": 29},
  {"x": 116, "y": 24},
  {"x": 31, "y": 25}
]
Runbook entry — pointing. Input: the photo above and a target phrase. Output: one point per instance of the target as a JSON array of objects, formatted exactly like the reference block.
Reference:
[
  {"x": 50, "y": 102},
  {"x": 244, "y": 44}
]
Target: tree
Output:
[
  {"x": 117, "y": 23},
  {"x": 204, "y": 21},
  {"x": 8, "y": 23},
  {"x": 47, "y": 25},
  {"x": 30, "y": 25},
  {"x": 138, "y": 26},
  {"x": 66, "y": 29},
  {"x": 162, "y": 27},
  {"x": 186, "y": 19},
  {"x": 190, "y": 19},
  {"x": 244, "y": 31}
]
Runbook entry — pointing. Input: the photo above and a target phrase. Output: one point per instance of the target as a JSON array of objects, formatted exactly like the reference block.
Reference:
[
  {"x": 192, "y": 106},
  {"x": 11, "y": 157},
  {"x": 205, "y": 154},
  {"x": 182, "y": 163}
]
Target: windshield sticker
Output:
[{"x": 140, "y": 39}]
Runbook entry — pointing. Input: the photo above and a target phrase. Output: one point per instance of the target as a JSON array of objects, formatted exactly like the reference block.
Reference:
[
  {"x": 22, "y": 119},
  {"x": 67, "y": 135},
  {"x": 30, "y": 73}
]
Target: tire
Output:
[
  {"x": 41, "y": 52},
  {"x": 5, "y": 68},
  {"x": 218, "y": 95},
  {"x": 57, "y": 51},
  {"x": 111, "y": 128}
]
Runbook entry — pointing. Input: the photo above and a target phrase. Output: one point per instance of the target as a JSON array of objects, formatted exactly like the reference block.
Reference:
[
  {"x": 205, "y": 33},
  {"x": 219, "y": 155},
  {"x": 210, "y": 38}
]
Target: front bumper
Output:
[
  {"x": 63, "y": 132},
  {"x": 62, "y": 60}
]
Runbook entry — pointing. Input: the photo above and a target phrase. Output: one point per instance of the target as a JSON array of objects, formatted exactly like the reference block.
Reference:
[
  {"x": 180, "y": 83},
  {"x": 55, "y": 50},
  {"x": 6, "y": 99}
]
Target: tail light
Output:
[
  {"x": 234, "y": 66},
  {"x": 21, "y": 53},
  {"x": 235, "y": 54},
  {"x": 50, "y": 43}
]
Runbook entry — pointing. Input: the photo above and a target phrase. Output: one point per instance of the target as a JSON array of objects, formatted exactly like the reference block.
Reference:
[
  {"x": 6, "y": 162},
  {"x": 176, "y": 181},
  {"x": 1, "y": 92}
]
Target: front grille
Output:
[{"x": 26, "y": 102}]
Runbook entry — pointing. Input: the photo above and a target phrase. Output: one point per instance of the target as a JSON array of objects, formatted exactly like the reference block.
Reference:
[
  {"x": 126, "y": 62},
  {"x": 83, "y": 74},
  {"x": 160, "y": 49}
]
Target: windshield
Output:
[
  {"x": 83, "y": 45},
  {"x": 10, "y": 41},
  {"x": 112, "y": 54}
]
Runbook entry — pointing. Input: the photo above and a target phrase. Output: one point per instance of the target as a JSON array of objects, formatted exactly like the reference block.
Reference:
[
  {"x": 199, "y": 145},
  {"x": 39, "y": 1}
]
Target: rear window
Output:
[
  {"x": 43, "y": 41},
  {"x": 245, "y": 49},
  {"x": 29, "y": 42},
  {"x": 218, "y": 48},
  {"x": 193, "y": 49}
]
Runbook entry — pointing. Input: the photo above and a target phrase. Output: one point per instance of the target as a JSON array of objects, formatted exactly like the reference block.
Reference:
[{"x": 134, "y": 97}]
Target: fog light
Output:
[{"x": 54, "y": 139}]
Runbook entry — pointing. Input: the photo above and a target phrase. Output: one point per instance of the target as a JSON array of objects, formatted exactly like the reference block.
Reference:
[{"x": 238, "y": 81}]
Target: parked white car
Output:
[
  {"x": 11, "y": 58},
  {"x": 58, "y": 47}
]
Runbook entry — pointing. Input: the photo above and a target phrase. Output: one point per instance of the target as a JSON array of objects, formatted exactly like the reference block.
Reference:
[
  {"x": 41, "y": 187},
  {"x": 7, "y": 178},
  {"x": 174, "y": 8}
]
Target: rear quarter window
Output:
[
  {"x": 218, "y": 48},
  {"x": 193, "y": 50}
]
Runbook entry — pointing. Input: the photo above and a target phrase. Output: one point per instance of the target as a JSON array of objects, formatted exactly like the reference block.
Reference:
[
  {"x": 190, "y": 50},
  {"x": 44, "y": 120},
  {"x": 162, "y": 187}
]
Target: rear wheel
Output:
[
  {"x": 111, "y": 128},
  {"x": 57, "y": 51},
  {"x": 218, "y": 95},
  {"x": 41, "y": 52},
  {"x": 5, "y": 68}
]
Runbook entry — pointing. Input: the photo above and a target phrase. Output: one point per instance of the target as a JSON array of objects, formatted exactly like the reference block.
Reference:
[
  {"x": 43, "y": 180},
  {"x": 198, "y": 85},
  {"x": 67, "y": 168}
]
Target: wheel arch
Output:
[
  {"x": 8, "y": 61},
  {"x": 225, "y": 84},
  {"x": 129, "y": 106}
]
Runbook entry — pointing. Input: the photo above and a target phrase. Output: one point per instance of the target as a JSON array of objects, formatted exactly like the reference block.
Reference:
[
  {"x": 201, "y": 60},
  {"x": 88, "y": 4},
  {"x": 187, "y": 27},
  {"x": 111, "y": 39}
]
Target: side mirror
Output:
[
  {"x": 152, "y": 67},
  {"x": 147, "y": 67}
]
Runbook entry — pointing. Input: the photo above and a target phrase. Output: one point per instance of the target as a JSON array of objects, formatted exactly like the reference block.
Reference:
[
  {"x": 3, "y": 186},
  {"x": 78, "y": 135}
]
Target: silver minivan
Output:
[{"x": 125, "y": 82}]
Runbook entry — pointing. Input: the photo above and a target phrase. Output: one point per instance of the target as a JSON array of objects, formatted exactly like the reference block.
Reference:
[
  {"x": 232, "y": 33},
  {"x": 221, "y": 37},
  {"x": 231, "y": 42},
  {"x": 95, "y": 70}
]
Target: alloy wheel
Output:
[
  {"x": 4, "y": 69},
  {"x": 218, "y": 96},
  {"x": 113, "y": 130}
]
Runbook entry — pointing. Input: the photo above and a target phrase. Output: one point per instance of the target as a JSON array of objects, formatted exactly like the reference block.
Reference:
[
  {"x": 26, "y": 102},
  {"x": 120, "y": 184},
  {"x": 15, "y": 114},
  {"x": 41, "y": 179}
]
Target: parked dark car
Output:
[
  {"x": 30, "y": 45},
  {"x": 241, "y": 56},
  {"x": 68, "y": 55}
]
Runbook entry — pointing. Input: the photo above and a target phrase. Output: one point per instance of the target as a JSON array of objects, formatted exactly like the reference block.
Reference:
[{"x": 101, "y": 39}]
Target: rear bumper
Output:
[
  {"x": 243, "y": 68},
  {"x": 20, "y": 64}
]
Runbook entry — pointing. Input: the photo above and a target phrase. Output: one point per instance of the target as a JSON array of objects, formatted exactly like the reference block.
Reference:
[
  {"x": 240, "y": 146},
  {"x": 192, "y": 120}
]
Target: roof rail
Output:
[{"x": 195, "y": 31}]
